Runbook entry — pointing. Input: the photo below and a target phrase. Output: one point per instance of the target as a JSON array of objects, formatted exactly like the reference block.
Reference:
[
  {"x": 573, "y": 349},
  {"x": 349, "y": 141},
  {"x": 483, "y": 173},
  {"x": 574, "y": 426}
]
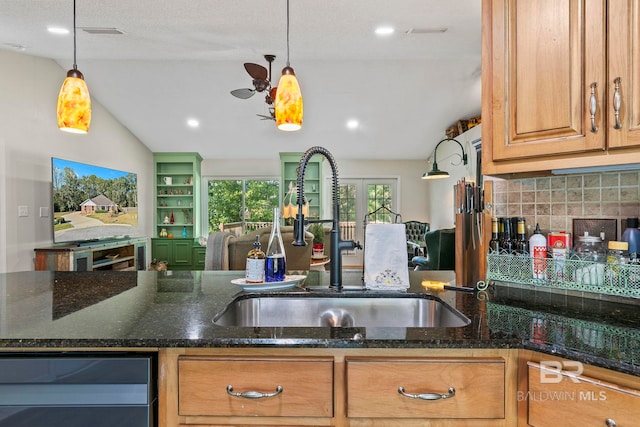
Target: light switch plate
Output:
[
  {"x": 44, "y": 212},
  {"x": 23, "y": 210}
]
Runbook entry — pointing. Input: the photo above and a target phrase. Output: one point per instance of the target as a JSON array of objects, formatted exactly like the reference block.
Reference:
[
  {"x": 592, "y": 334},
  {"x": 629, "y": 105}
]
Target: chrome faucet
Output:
[{"x": 337, "y": 244}]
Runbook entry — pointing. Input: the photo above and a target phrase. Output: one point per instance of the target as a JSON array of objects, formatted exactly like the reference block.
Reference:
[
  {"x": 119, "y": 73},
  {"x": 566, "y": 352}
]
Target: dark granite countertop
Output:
[{"x": 176, "y": 309}]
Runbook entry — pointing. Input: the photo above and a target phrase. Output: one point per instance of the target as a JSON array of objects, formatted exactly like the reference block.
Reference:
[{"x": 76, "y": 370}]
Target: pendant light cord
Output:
[
  {"x": 287, "y": 32},
  {"x": 75, "y": 66}
]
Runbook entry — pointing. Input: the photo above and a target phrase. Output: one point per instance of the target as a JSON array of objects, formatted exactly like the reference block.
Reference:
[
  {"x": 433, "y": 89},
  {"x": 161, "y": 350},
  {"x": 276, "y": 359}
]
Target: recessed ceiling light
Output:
[
  {"x": 353, "y": 124},
  {"x": 58, "y": 30},
  {"x": 384, "y": 30},
  {"x": 193, "y": 123}
]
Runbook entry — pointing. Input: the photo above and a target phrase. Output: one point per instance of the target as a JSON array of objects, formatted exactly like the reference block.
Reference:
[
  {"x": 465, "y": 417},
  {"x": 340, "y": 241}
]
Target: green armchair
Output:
[
  {"x": 415, "y": 231},
  {"x": 441, "y": 251}
]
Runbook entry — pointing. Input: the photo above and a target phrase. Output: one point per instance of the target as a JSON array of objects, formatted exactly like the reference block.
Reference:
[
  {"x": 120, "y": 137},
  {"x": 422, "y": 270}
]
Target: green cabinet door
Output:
[
  {"x": 161, "y": 250},
  {"x": 199, "y": 253},
  {"x": 182, "y": 253}
]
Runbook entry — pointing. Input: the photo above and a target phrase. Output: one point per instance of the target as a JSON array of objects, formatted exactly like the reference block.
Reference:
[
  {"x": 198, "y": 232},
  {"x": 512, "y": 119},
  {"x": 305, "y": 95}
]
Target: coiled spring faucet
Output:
[{"x": 337, "y": 244}]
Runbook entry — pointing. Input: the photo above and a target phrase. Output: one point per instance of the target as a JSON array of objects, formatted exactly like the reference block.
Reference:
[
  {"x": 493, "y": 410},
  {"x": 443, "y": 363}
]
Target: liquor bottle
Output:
[
  {"x": 275, "y": 267},
  {"x": 494, "y": 244},
  {"x": 172, "y": 219},
  {"x": 254, "y": 272},
  {"x": 521, "y": 237},
  {"x": 506, "y": 244}
]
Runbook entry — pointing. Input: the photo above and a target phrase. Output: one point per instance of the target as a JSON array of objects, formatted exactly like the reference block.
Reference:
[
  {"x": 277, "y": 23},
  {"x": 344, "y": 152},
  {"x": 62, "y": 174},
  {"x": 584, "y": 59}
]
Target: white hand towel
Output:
[{"x": 385, "y": 257}]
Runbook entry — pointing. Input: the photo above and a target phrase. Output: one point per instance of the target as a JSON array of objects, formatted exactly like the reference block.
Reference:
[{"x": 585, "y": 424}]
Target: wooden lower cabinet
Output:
[
  {"x": 337, "y": 387},
  {"x": 558, "y": 392},
  {"x": 433, "y": 388},
  {"x": 274, "y": 387}
]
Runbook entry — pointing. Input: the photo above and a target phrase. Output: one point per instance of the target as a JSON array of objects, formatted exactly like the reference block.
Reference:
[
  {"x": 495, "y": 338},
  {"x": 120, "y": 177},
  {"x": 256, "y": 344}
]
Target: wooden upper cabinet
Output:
[
  {"x": 550, "y": 73},
  {"x": 623, "y": 121},
  {"x": 546, "y": 55}
]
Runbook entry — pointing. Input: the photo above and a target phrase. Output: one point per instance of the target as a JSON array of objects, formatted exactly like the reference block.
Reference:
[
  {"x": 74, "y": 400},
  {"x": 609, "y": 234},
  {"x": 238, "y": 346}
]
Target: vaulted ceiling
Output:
[{"x": 179, "y": 59}]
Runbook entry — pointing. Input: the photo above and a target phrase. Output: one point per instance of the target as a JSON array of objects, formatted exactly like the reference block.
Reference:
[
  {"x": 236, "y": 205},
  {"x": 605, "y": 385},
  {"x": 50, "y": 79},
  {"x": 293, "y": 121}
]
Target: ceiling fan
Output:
[{"x": 261, "y": 83}]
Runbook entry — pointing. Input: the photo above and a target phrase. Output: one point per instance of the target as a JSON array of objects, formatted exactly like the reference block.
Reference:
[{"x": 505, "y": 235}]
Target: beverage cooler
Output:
[{"x": 77, "y": 390}]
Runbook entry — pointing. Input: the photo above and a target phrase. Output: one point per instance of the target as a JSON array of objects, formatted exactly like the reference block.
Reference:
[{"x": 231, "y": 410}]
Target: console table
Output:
[{"x": 121, "y": 254}]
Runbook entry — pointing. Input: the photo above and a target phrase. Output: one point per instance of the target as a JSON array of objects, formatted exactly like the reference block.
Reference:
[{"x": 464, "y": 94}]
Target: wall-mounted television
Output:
[{"x": 92, "y": 203}]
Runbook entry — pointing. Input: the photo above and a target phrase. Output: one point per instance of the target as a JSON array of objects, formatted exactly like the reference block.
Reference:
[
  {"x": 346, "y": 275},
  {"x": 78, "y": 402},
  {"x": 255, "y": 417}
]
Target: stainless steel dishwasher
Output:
[{"x": 77, "y": 390}]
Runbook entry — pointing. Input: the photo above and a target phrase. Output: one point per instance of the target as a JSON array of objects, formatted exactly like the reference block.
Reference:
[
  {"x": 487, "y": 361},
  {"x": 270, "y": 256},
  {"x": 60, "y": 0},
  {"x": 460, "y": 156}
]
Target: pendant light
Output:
[
  {"x": 74, "y": 102},
  {"x": 288, "y": 104}
]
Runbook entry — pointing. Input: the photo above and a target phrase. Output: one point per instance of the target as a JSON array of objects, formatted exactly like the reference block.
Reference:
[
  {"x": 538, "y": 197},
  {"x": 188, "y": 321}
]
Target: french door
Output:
[{"x": 358, "y": 198}]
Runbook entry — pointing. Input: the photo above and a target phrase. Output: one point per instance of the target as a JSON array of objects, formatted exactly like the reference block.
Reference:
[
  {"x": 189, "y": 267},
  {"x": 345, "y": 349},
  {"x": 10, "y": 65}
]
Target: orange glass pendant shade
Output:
[
  {"x": 74, "y": 104},
  {"x": 288, "y": 103}
]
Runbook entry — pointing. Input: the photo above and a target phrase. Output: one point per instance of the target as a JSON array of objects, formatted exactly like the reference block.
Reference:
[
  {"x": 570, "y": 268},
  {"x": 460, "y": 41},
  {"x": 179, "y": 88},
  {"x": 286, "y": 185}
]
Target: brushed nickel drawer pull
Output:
[
  {"x": 593, "y": 107},
  {"x": 610, "y": 423},
  {"x": 617, "y": 101},
  {"x": 253, "y": 394},
  {"x": 428, "y": 396}
]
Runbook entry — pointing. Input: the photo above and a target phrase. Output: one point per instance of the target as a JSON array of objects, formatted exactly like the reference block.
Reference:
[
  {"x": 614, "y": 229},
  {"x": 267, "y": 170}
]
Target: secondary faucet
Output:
[{"x": 337, "y": 244}]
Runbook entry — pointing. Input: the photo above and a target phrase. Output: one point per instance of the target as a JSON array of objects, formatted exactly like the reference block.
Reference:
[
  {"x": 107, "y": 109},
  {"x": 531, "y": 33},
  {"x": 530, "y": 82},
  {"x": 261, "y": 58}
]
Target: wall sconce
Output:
[{"x": 436, "y": 173}]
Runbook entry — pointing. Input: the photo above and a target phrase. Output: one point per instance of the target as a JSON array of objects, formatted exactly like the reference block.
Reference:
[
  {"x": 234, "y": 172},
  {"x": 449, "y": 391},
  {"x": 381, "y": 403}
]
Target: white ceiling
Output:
[{"x": 180, "y": 58}]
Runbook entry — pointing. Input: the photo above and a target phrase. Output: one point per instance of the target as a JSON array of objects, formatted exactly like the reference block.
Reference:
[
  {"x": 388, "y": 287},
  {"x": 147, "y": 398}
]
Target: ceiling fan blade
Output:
[
  {"x": 263, "y": 117},
  {"x": 243, "y": 93},
  {"x": 256, "y": 71}
]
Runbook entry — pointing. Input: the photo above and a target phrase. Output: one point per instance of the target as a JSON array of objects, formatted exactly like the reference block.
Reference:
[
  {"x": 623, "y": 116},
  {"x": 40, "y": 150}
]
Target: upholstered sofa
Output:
[
  {"x": 298, "y": 257},
  {"x": 234, "y": 255}
]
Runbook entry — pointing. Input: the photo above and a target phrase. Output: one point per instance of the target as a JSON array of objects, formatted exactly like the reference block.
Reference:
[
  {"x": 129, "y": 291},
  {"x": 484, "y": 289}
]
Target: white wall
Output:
[
  {"x": 441, "y": 195},
  {"x": 29, "y": 137}
]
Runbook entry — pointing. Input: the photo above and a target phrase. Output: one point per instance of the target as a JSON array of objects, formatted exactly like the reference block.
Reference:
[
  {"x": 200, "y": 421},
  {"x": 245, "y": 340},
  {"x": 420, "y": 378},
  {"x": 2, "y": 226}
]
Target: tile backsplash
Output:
[{"x": 554, "y": 201}]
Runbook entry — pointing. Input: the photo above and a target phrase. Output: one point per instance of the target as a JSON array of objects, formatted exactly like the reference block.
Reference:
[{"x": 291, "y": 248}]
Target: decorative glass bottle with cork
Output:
[{"x": 254, "y": 272}]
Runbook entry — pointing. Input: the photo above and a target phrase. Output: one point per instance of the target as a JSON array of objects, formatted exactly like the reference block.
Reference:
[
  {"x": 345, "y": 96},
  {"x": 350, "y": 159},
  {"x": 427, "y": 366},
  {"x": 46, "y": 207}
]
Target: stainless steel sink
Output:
[{"x": 309, "y": 310}]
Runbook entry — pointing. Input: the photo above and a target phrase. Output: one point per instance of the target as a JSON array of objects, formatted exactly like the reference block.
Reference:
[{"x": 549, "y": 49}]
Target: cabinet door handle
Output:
[
  {"x": 428, "y": 396},
  {"x": 593, "y": 107},
  {"x": 617, "y": 101},
  {"x": 253, "y": 394},
  {"x": 610, "y": 423}
]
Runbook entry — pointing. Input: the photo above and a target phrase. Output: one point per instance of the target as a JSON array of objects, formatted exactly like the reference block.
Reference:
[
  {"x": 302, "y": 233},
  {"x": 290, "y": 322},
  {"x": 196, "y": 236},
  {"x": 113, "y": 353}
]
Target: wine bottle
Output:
[
  {"x": 254, "y": 272},
  {"x": 506, "y": 244},
  {"x": 275, "y": 266},
  {"x": 494, "y": 244},
  {"x": 521, "y": 237}
]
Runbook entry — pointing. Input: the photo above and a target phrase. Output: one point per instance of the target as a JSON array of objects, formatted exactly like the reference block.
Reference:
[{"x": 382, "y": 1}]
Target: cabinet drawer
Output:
[
  {"x": 372, "y": 388},
  {"x": 583, "y": 401},
  {"x": 307, "y": 386}
]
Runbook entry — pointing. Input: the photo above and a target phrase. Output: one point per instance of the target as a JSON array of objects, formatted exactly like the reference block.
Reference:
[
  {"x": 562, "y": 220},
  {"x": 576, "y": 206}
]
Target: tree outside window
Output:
[{"x": 241, "y": 205}]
